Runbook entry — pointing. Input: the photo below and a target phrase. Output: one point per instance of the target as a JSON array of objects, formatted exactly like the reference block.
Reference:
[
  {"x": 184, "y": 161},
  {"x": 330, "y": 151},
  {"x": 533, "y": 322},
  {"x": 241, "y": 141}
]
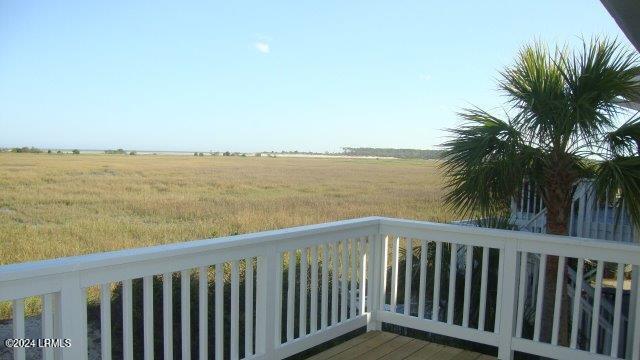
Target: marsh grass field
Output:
[
  {"x": 62, "y": 205},
  {"x": 55, "y": 205}
]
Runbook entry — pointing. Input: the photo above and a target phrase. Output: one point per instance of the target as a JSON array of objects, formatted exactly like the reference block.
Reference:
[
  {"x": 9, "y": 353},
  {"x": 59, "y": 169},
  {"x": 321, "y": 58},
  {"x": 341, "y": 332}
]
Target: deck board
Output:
[
  {"x": 384, "y": 349},
  {"x": 344, "y": 346},
  {"x": 374, "y": 342},
  {"x": 379, "y": 345}
]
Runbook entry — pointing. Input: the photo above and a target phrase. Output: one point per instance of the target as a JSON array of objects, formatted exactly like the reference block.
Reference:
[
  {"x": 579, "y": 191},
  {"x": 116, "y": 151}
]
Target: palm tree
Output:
[{"x": 560, "y": 127}]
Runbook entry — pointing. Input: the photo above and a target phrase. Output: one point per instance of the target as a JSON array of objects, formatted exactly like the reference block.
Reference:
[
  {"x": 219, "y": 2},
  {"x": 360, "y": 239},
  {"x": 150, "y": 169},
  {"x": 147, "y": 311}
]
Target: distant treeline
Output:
[
  {"x": 114, "y": 152},
  {"x": 25, "y": 149},
  {"x": 346, "y": 151},
  {"x": 396, "y": 153},
  {"x": 34, "y": 150}
]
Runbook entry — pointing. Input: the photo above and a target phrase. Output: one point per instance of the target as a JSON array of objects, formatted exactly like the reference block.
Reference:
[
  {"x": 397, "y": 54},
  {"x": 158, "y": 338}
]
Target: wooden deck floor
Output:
[{"x": 380, "y": 345}]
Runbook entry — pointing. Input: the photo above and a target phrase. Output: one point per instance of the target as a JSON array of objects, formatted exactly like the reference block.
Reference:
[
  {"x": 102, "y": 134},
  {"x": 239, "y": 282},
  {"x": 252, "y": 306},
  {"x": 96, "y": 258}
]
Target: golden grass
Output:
[{"x": 62, "y": 205}]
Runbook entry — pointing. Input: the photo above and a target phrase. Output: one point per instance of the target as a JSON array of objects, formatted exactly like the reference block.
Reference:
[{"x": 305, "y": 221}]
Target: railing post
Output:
[
  {"x": 374, "y": 282},
  {"x": 633, "y": 329},
  {"x": 508, "y": 299},
  {"x": 266, "y": 292},
  {"x": 73, "y": 318}
]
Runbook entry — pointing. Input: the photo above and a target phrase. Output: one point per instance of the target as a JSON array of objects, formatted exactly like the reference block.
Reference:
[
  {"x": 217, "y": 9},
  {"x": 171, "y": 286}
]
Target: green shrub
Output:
[{"x": 25, "y": 149}]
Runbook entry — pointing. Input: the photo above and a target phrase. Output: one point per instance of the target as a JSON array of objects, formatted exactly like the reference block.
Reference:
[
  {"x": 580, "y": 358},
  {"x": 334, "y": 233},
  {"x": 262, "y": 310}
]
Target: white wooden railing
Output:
[
  {"x": 347, "y": 275},
  {"x": 590, "y": 217}
]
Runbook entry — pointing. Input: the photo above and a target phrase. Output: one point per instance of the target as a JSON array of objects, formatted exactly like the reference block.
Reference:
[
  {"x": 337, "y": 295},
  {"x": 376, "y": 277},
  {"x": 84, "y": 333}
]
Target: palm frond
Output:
[
  {"x": 595, "y": 78},
  {"x": 535, "y": 88},
  {"x": 625, "y": 140},
  {"x": 483, "y": 164},
  {"x": 619, "y": 178}
]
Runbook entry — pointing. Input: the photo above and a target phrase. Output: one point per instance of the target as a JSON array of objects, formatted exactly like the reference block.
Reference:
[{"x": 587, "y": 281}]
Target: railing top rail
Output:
[
  {"x": 522, "y": 237},
  {"x": 604, "y": 249},
  {"x": 21, "y": 271}
]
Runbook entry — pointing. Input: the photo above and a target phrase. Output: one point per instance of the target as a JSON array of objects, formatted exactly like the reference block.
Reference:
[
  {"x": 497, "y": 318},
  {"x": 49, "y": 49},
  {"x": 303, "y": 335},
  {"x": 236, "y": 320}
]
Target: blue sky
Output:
[{"x": 262, "y": 75}]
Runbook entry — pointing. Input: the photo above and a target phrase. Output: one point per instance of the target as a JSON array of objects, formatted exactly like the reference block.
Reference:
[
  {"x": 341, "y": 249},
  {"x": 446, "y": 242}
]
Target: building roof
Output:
[{"x": 627, "y": 14}]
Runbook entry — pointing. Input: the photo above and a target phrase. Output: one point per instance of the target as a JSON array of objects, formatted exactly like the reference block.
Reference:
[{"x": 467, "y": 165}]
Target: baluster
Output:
[
  {"x": 577, "y": 295},
  {"x": 558, "y": 300},
  {"x": 291, "y": 288},
  {"x": 248, "y": 307},
  {"x": 302, "y": 325},
  {"x": 511, "y": 280},
  {"x": 435, "y": 314},
  {"x": 353, "y": 277},
  {"x": 529, "y": 199},
  {"x": 423, "y": 278},
  {"x": 407, "y": 274},
  {"x": 127, "y": 320},
  {"x": 203, "y": 289},
  {"x": 620, "y": 221},
  {"x": 572, "y": 223},
  {"x": 522, "y": 200},
  {"x": 167, "y": 315},
  {"x": 467, "y": 285},
  {"x": 453, "y": 264},
  {"x": 596, "y": 203},
  {"x": 185, "y": 312},
  {"x": 325, "y": 288},
  {"x": 344, "y": 274},
  {"x": 483, "y": 288},
  {"x": 394, "y": 274},
  {"x": 617, "y": 310},
  {"x": 219, "y": 314},
  {"x": 334, "y": 283},
  {"x": 540, "y": 293},
  {"x": 521, "y": 292},
  {"x": 147, "y": 299},
  {"x": 589, "y": 214},
  {"x": 314, "y": 289},
  {"x": 235, "y": 316},
  {"x": 606, "y": 216},
  {"x": 105, "y": 322},
  {"x": 595, "y": 317}
]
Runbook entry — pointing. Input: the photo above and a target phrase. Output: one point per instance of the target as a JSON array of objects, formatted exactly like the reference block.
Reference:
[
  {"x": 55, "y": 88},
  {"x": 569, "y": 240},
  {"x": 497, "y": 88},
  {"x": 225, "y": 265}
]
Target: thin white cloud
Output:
[
  {"x": 425, "y": 77},
  {"x": 262, "y": 46}
]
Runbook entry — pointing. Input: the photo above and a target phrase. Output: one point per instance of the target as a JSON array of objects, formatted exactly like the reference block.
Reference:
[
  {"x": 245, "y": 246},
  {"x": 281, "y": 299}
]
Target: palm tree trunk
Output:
[{"x": 558, "y": 213}]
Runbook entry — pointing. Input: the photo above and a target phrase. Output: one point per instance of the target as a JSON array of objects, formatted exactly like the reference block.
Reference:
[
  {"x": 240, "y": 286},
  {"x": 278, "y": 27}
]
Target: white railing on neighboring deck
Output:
[
  {"x": 343, "y": 276},
  {"x": 590, "y": 217}
]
